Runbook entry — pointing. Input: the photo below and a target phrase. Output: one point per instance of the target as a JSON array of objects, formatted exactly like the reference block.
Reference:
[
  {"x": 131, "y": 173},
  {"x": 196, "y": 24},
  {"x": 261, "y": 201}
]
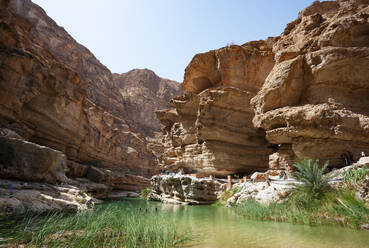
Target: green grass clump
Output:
[
  {"x": 145, "y": 192},
  {"x": 338, "y": 208},
  {"x": 312, "y": 202},
  {"x": 226, "y": 195},
  {"x": 110, "y": 225},
  {"x": 355, "y": 174}
]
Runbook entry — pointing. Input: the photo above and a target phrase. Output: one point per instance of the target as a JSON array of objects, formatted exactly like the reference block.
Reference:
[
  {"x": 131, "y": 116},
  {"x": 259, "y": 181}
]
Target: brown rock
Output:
[
  {"x": 144, "y": 92},
  {"x": 308, "y": 87},
  {"x": 54, "y": 92},
  {"x": 27, "y": 161},
  {"x": 96, "y": 175},
  {"x": 259, "y": 177},
  {"x": 318, "y": 108},
  {"x": 207, "y": 133},
  {"x": 76, "y": 169}
]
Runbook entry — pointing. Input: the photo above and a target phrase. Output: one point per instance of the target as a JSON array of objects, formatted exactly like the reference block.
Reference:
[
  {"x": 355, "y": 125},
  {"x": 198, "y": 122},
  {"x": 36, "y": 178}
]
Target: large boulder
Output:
[
  {"x": 185, "y": 189},
  {"x": 262, "y": 192},
  {"x": 18, "y": 197},
  {"x": 28, "y": 161}
]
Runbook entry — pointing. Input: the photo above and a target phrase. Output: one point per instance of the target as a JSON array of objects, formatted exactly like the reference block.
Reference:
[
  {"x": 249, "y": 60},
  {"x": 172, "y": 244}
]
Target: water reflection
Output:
[{"x": 215, "y": 227}]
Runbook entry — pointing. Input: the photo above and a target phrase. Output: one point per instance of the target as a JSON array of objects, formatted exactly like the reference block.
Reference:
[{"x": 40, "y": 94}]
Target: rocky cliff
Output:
[
  {"x": 55, "y": 93},
  {"x": 268, "y": 103},
  {"x": 143, "y": 93}
]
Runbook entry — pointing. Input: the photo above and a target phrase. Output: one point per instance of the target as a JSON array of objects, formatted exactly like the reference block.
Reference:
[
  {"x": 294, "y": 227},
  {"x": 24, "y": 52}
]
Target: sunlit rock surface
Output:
[
  {"x": 55, "y": 93},
  {"x": 185, "y": 189},
  {"x": 303, "y": 94}
]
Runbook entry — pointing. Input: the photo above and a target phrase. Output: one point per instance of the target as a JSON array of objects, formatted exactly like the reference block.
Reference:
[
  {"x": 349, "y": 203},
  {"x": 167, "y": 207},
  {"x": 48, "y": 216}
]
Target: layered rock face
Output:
[
  {"x": 210, "y": 129},
  {"x": 303, "y": 94},
  {"x": 40, "y": 198},
  {"x": 184, "y": 189},
  {"x": 30, "y": 162},
  {"x": 143, "y": 93},
  {"x": 55, "y": 93},
  {"x": 315, "y": 101}
]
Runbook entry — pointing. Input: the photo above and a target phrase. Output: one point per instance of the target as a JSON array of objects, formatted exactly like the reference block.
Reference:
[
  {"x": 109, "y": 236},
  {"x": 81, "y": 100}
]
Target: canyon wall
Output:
[
  {"x": 54, "y": 92},
  {"x": 303, "y": 94},
  {"x": 144, "y": 92}
]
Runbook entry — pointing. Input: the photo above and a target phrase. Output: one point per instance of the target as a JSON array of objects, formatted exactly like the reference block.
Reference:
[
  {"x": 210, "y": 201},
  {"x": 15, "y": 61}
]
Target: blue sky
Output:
[{"x": 164, "y": 35}]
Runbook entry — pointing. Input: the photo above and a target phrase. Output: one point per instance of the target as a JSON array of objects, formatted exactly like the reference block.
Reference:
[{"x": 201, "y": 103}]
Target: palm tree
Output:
[{"x": 313, "y": 183}]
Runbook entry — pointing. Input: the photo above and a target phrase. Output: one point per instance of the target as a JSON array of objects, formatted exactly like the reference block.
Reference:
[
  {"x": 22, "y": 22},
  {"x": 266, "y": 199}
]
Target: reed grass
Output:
[
  {"x": 334, "y": 208},
  {"x": 313, "y": 201},
  {"x": 110, "y": 225}
]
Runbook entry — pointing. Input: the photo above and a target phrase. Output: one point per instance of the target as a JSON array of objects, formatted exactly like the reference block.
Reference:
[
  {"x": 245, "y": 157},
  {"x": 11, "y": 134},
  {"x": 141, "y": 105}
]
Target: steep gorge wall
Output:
[
  {"x": 144, "y": 92},
  {"x": 54, "y": 92},
  {"x": 210, "y": 130},
  {"x": 302, "y": 94}
]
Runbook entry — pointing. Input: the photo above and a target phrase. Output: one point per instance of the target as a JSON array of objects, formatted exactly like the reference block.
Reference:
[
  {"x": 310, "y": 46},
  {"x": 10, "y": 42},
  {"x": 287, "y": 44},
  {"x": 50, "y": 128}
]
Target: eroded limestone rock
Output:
[
  {"x": 208, "y": 133},
  {"x": 17, "y": 197},
  {"x": 184, "y": 189},
  {"x": 307, "y": 89},
  {"x": 55, "y": 93},
  {"x": 28, "y": 161},
  {"x": 314, "y": 102}
]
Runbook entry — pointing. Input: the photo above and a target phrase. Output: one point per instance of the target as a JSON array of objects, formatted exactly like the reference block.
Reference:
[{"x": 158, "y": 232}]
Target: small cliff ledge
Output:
[{"x": 268, "y": 103}]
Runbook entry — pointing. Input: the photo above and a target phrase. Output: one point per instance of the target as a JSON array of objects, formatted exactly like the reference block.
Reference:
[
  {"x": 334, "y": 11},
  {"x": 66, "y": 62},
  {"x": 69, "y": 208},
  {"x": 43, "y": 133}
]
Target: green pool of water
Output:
[{"x": 215, "y": 227}]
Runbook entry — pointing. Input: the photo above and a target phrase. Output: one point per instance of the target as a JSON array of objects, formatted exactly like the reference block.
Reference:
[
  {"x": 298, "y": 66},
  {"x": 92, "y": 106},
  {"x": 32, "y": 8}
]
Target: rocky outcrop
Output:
[
  {"x": 19, "y": 197},
  {"x": 314, "y": 101},
  {"x": 55, "y": 93},
  {"x": 303, "y": 94},
  {"x": 210, "y": 130},
  {"x": 208, "y": 133},
  {"x": 261, "y": 192},
  {"x": 27, "y": 161},
  {"x": 185, "y": 189},
  {"x": 144, "y": 92}
]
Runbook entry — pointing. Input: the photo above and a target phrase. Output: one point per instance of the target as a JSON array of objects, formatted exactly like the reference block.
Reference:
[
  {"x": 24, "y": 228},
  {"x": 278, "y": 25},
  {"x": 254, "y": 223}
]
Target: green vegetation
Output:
[
  {"x": 311, "y": 202},
  {"x": 110, "y": 225},
  {"x": 145, "y": 192},
  {"x": 336, "y": 207},
  {"x": 355, "y": 175},
  {"x": 225, "y": 196},
  {"x": 314, "y": 184}
]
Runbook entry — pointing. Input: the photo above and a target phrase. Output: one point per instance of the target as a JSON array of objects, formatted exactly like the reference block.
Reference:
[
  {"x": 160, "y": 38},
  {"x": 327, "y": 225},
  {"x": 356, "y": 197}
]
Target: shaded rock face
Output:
[
  {"x": 303, "y": 94},
  {"x": 144, "y": 92},
  {"x": 27, "y": 161},
  {"x": 55, "y": 93},
  {"x": 184, "y": 189}
]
